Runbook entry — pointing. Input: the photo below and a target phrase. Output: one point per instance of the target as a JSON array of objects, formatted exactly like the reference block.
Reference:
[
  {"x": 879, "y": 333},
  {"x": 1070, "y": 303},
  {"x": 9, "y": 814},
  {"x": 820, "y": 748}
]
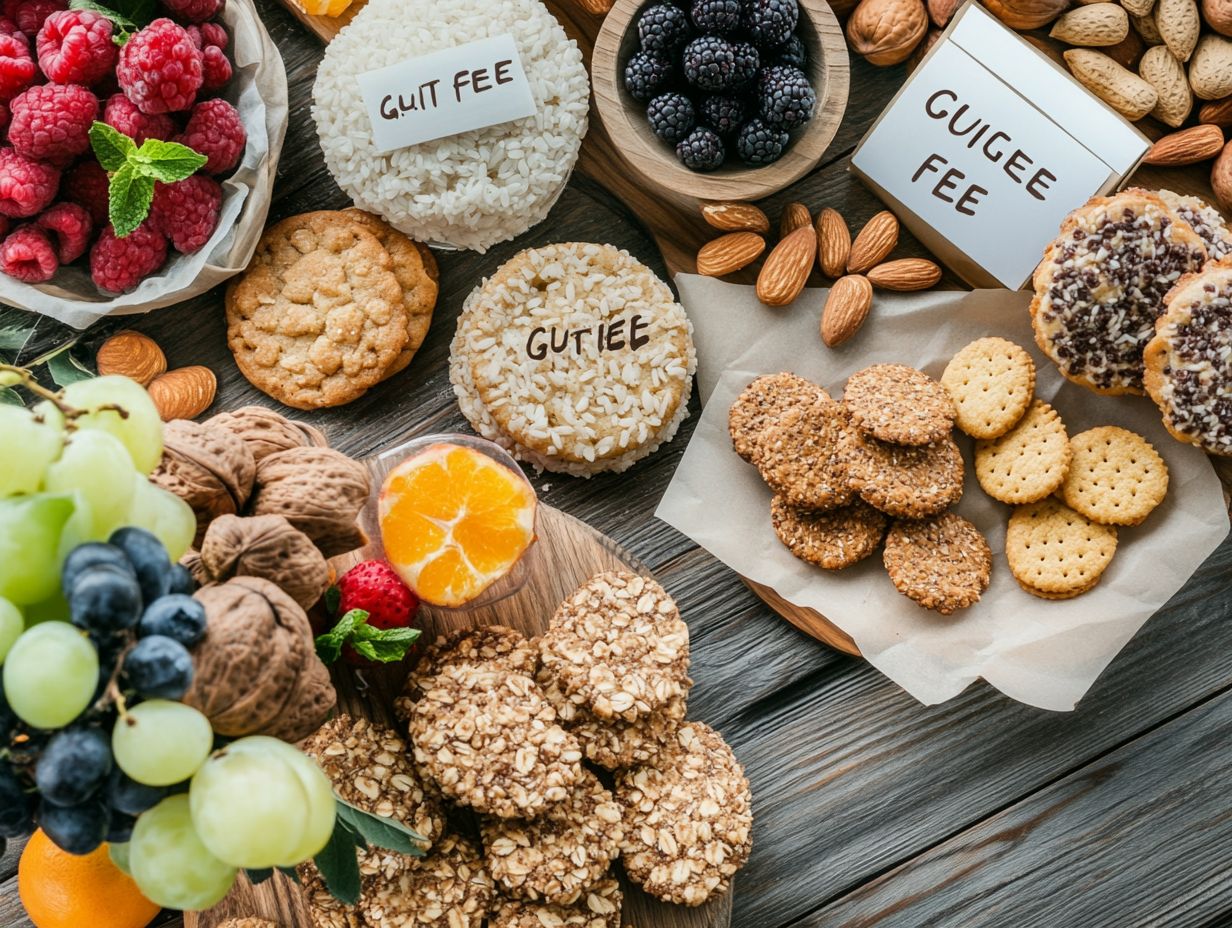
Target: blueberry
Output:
[
  {"x": 16, "y": 805},
  {"x": 120, "y": 827},
  {"x": 149, "y": 559},
  {"x": 76, "y": 829},
  {"x": 126, "y": 795},
  {"x": 105, "y": 599},
  {"x": 182, "y": 581},
  {"x": 92, "y": 554},
  {"x": 159, "y": 667},
  {"x": 75, "y": 763},
  {"x": 175, "y": 616}
]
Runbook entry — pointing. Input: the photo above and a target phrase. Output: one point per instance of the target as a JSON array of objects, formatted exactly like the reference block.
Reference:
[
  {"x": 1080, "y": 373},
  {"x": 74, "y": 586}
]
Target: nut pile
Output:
[{"x": 183, "y": 393}]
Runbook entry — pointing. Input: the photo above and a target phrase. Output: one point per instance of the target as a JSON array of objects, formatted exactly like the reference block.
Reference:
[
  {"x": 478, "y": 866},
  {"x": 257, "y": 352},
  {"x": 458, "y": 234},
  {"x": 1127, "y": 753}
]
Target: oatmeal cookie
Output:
[
  {"x": 688, "y": 819},
  {"x": 1101, "y": 286},
  {"x": 943, "y": 563},
  {"x": 599, "y": 908},
  {"x": 1116, "y": 476},
  {"x": 762, "y": 404},
  {"x": 618, "y": 646},
  {"x": 991, "y": 382},
  {"x": 561, "y": 854},
  {"x": 324, "y": 910},
  {"x": 1027, "y": 463},
  {"x": 489, "y": 740},
  {"x": 447, "y": 889},
  {"x": 318, "y": 316},
  {"x": 1204, "y": 219},
  {"x": 1055, "y": 552},
  {"x": 799, "y": 456},
  {"x": 491, "y": 646},
  {"x": 248, "y": 923},
  {"x": 834, "y": 539},
  {"x": 1189, "y": 361},
  {"x": 898, "y": 404},
  {"x": 910, "y": 482}
]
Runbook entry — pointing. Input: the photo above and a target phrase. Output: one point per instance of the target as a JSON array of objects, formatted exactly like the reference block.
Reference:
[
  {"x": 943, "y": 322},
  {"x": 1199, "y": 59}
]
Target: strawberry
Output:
[
  {"x": 374, "y": 587},
  {"x": 374, "y": 613}
]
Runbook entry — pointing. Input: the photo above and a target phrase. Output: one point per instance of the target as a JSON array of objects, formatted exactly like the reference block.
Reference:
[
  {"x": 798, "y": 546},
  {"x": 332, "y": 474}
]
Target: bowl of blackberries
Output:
[{"x": 721, "y": 98}]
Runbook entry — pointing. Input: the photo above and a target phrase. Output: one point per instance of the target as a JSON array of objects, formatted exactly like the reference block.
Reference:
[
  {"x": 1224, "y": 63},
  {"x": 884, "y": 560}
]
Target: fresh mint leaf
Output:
[
  {"x": 338, "y": 864},
  {"x": 383, "y": 645},
  {"x": 131, "y": 194},
  {"x": 127, "y": 16},
  {"x": 111, "y": 146},
  {"x": 166, "y": 162},
  {"x": 329, "y": 645},
  {"x": 381, "y": 832}
]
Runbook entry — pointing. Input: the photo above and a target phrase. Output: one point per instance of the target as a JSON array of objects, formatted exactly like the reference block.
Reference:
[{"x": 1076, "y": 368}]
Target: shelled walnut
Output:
[{"x": 268, "y": 547}]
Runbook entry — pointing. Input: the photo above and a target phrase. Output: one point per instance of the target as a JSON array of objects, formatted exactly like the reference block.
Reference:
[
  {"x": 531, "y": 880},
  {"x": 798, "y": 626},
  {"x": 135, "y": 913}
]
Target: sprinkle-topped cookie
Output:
[
  {"x": 761, "y": 406},
  {"x": 1101, "y": 286},
  {"x": 991, "y": 382},
  {"x": 1116, "y": 476},
  {"x": 1028, "y": 462},
  {"x": 834, "y": 539},
  {"x": 899, "y": 404},
  {"x": 942, "y": 563},
  {"x": 1204, "y": 219},
  {"x": 910, "y": 482},
  {"x": 799, "y": 456},
  {"x": 1056, "y": 553}
]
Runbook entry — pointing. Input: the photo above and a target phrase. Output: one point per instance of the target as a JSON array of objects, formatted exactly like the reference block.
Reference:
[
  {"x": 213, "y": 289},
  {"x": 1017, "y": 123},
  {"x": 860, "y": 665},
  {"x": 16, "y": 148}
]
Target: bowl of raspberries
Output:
[
  {"x": 138, "y": 143},
  {"x": 721, "y": 98}
]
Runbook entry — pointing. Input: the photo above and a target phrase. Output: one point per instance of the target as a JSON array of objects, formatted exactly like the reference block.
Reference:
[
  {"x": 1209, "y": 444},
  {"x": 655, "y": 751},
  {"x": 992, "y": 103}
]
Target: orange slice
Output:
[
  {"x": 454, "y": 521},
  {"x": 323, "y": 7}
]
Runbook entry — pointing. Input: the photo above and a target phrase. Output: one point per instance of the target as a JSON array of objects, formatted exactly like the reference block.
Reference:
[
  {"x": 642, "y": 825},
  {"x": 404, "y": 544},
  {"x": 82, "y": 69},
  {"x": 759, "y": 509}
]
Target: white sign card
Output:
[{"x": 455, "y": 90}]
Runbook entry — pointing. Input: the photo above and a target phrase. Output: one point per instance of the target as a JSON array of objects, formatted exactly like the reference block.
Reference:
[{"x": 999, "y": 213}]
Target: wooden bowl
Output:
[{"x": 654, "y": 161}]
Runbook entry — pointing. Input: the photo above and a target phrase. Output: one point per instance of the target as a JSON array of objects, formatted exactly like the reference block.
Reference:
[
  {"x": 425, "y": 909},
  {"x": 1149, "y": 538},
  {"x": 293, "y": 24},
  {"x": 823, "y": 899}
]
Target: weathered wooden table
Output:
[{"x": 871, "y": 809}]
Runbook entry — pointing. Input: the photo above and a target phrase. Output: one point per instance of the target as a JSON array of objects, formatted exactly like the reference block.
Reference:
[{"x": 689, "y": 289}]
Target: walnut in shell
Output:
[
  {"x": 256, "y": 670},
  {"x": 268, "y": 432},
  {"x": 269, "y": 547},
  {"x": 210, "y": 469},
  {"x": 320, "y": 491}
]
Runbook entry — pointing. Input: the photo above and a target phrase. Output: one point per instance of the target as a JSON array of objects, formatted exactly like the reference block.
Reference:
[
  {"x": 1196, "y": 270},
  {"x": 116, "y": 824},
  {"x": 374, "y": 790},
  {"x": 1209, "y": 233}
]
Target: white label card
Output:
[{"x": 455, "y": 90}]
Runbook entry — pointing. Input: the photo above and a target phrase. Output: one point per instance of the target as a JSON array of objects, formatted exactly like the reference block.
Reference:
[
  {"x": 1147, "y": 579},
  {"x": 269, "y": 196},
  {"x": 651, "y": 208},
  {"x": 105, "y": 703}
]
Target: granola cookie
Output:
[
  {"x": 618, "y": 647},
  {"x": 1101, "y": 286},
  {"x": 447, "y": 889},
  {"x": 248, "y": 923},
  {"x": 762, "y": 405},
  {"x": 943, "y": 563},
  {"x": 834, "y": 539},
  {"x": 324, "y": 910},
  {"x": 561, "y": 854},
  {"x": 1055, "y": 552},
  {"x": 910, "y": 482},
  {"x": 318, "y": 317},
  {"x": 799, "y": 456},
  {"x": 688, "y": 819},
  {"x": 489, "y": 740},
  {"x": 896, "y": 403},
  {"x": 1116, "y": 476},
  {"x": 991, "y": 382},
  {"x": 599, "y": 908},
  {"x": 492, "y": 646},
  {"x": 1027, "y": 463},
  {"x": 370, "y": 767}
]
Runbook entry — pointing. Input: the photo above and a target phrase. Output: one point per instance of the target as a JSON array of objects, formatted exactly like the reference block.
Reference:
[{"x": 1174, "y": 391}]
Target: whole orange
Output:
[{"x": 60, "y": 890}]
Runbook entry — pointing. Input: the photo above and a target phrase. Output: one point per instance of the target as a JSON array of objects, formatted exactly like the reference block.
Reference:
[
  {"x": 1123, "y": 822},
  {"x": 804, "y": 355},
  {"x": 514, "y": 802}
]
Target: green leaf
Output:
[
  {"x": 382, "y": 832},
  {"x": 14, "y": 337},
  {"x": 338, "y": 864},
  {"x": 257, "y": 877},
  {"x": 131, "y": 196},
  {"x": 111, "y": 146},
  {"x": 10, "y": 397},
  {"x": 329, "y": 645},
  {"x": 166, "y": 161},
  {"x": 66, "y": 369},
  {"x": 127, "y": 16},
  {"x": 333, "y": 596},
  {"x": 382, "y": 645}
]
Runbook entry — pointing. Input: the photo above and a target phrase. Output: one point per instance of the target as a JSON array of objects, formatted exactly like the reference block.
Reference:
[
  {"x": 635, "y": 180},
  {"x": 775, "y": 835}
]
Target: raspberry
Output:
[
  {"x": 208, "y": 34},
  {"x": 70, "y": 226},
  {"x": 8, "y": 27},
  {"x": 215, "y": 68},
  {"x": 119, "y": 264},
  {"x": 187, "y": 212},
  {"x": 122, "y": 115},
  {"x": 87, "y": 185},
  {"x": 51, "y": 122},
  {"x": 26, "y": 187},
  {"x": 194, "y": 11},
  {"x": 160, "y": 68},
  {"x": 27, "y": 255},
  {"x": 75, "y": 47},
  {"x": 4, "y": 117},
  {"x": 29, "y": 15},
  {"x": 214, "y": 129},
  {"x": 17, "y": 68}
]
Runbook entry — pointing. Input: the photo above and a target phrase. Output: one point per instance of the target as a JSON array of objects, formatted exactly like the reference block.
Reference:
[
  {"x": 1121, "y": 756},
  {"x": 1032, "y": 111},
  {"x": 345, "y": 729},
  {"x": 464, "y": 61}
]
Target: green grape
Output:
[
  {"x": 11, "y": 626},
  {"x": 30, "y": 528},
  {"x": 50, "y": 675},
  {"x": 140, "y": 429},
  {"x": 248, "y": 808},
  {"x": 166, "y": 515},
  {"x": 96, "y": 465},
  {"x": 27, "y": 446},
  {"x": 119, "y": 856},
  {"x": 160, "y": 742},
  {"x": 170, "y": 865}
]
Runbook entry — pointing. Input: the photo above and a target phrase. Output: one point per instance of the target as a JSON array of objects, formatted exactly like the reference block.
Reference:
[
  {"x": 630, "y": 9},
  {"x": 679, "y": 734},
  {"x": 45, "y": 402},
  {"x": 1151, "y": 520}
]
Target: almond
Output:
[
  {"x": 184, "y": 393},
  {"x": 905, "y": 274},
  {"x": 1026, "y": 14},
  {"x": 729, "y": 253},
  {"x": 1218, "y": 113},
  {"x": 736, "y": 217},
  {"x": 1218, "y": 15},
  {"x": 833, "y": 242},
  {"x": 1123, "y": 90},
  {"x": 886, "y": 31},
  {"x": 1162, "y": 71},
  {"x": 875, "y": 241},
  {"x": 1145, "y": 26},
  {"x": 1210, "y": 69},
  {"x": 1179, "y": 25},
  {"x": 1189, "y": 146},
  {"x": 1221, "y": 177},
  {"x": 846, "y": 308},
  {"x": 1097, "y": 24},
  {"x": 1138, "y": 7},
  {"x": 133, "y": 355},
  {"x": 794, "y": 216},
  {"x": 787, "y": 269}
]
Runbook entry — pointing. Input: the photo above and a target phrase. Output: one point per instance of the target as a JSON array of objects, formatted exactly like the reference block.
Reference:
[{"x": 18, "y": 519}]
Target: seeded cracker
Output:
[
  {"x": 1027, "y": 463},
  {"x": 1055, "y": 552},
  {"x": 493, "y": 646},
  {"x": 489, "y": 740},
  {"x": 761, "y": 406},
  {"x": 1102, "y": 283},
  {"x": 896, "y": 403},
  {"x": 560, "y": 855},
  {"x": 688, "y": 819},
  {"x": 942, "y": 563},
  {"x": 448, "y": 889},
  {"x": 834, "y": 539},
  {"x": 799, "y": 456},
  {"x": 618, "y": 647},
  {"x": 1116, "y": 477},
  {"x": 907, "y": 482},
  {"x": 991, "y": 382},
  {"x": 599, "y": 908}
]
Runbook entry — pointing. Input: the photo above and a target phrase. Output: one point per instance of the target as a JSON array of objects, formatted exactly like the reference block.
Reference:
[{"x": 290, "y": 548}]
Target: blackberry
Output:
[
  {"x": 747, "y": 63},
  {"x": 785, "y": 98},
  {"x": 791, "y": 52},
  {"x": 702, "y": 150},
  {"x": 663, "y": 29},
  {"x": 724, "y": 114},
  {"x": 771, "y": 22},
  {"x": 671, "y": 116},
  {"x": 717, "y": 17},
  {"x": 710, "y": 63},
  {"x": 646, "y": 76},
  {"x": 761, "y": 144}
]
